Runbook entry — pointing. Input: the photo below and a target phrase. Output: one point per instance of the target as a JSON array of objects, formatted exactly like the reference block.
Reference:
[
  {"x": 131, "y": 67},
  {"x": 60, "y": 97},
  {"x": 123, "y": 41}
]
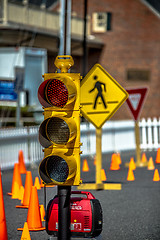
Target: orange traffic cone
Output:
[
  {"x": 22, "y": 167},
  {"x": 16, "y": 189},
  {"x": 37, "y": 183},
  {"x": 156, "y": 176},
  {"x": 42, "y": 212},
  {"x": 119, "y": 158},
  {"x": 21, "y": 193},
  {"x": 25, "y": 233},
  {"x": 114, "y": 162},
  {"x": 132, "y": 164},
  {"x": 3, "y": 225},
  {"x": 130, "y": 176},
  {"x": 158, "y": 156},
  {"x": 34, "y": 216},
  {"x": 16, "y": 178},
  {"x": 27, "y": 190},
  {"x": 103, "y": 175},
  {"x": 150, "y": 164},
  {"x": 85, "y": 167},
  {"x": 144, "y": 158}
]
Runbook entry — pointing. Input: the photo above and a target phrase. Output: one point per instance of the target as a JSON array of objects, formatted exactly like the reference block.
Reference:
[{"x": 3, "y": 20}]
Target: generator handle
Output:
[{"x": 88, "y": 194}]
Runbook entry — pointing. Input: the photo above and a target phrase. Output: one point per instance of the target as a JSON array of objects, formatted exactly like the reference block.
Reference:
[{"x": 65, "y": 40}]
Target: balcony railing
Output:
[{"x": 20, "y": 14}]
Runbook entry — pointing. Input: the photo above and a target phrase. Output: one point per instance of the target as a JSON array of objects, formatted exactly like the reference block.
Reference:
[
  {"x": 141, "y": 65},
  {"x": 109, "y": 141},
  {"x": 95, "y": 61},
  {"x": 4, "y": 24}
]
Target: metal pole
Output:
[
  {"x": 18, "y": 110},
  {"x": 85, "y": 39},
  {"x": 5, "y": 8},
  {"x": 64, "y": 193},
  {"x": 62, "y": 28},
  {"x": 68, "y": 29},
  {"x": 98, "y": 157}
]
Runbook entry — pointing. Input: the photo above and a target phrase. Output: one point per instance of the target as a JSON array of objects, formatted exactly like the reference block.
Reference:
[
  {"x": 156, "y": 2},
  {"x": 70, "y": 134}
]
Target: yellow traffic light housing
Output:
[
  {"x": 57, "y": 90},
  {"x": 59, "y": 129},
  {"x": 59, "y": 133},
  {"x": 60, "y": 167}
]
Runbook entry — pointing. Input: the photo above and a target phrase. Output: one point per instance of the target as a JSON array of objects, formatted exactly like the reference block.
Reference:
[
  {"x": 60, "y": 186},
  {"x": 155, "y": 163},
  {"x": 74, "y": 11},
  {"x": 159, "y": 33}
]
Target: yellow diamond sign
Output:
[{"x": 101, "y": 96}]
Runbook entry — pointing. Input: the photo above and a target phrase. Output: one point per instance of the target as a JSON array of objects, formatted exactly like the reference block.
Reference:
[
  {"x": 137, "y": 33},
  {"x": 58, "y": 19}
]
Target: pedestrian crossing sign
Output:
[{"x": 101, "y": 96}]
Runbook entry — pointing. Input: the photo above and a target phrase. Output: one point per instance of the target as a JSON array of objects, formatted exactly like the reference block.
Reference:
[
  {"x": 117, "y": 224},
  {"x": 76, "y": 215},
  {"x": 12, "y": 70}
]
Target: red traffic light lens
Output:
[
  {"x": 56, "y": 93},
  {"x": 58, "y": 130},
  {"x": 57, "y": 168}
]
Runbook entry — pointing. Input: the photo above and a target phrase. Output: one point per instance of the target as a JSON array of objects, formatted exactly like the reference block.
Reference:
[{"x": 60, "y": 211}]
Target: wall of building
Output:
[{"x": 133, "y": 43}]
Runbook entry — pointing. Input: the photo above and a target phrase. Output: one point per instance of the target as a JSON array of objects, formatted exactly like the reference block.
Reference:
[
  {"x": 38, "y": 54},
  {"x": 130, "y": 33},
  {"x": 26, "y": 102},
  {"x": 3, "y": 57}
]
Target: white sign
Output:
[{"x": 135, "y": 99}]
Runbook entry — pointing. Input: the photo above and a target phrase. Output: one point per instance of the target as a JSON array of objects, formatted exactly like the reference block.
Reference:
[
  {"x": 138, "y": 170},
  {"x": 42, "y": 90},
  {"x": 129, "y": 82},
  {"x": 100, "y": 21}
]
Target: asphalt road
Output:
[{"x": 132, "y": 213}]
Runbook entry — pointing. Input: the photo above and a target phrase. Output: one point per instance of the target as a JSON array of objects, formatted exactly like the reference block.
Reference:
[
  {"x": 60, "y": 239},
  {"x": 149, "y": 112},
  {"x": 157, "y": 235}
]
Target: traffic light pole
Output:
[{"x": 64, "y": 193}]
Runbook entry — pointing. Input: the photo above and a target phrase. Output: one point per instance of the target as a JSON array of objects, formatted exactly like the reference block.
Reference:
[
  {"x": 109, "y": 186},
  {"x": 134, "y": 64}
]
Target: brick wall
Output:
[{"x": 133, "y": 43}]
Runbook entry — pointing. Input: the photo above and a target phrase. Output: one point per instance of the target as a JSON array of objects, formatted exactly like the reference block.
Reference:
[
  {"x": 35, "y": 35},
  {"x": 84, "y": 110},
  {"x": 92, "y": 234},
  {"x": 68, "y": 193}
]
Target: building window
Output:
[
  {"x": 138, "y": 75},
  {"x": 101, "y": 22}
]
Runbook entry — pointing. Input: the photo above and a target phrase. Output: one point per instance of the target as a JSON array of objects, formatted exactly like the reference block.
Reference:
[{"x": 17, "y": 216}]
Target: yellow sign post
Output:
[
  {"x": 98, "y": 156},
  {"x": 138, "y": 150},
  {"x": 101, "y": 96}
]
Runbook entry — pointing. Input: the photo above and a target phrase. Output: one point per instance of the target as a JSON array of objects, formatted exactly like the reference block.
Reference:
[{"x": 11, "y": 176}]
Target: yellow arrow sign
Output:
[{"x": 101, "y": 96}]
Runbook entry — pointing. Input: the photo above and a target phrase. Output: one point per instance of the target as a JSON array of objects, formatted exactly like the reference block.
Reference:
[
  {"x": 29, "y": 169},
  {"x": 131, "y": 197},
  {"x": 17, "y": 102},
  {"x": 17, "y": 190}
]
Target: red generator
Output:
[{"x": 86, "y": 215}]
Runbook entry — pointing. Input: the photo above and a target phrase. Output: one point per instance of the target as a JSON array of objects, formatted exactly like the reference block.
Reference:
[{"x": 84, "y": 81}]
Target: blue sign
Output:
[{"x": 7, "y": 92}]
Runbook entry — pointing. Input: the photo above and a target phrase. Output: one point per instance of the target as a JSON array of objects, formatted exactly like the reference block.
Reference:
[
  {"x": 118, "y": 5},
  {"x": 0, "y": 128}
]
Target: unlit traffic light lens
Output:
[
  {"x": 57, "y": 168},
  {"x": 58, "y": 130},
  {"x": 56, "y": 93}
]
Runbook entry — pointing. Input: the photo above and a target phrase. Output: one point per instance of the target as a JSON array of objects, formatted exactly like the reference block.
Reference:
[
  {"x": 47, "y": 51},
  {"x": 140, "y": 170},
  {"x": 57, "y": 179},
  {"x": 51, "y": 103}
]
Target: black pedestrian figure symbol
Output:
[{"x": 98, "y": 85}]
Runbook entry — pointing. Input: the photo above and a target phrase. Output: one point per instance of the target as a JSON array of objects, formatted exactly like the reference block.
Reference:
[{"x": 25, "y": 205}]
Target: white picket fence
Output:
[
  {"x": 150, "y": 133},
  {"x": 116, "y": 136}
]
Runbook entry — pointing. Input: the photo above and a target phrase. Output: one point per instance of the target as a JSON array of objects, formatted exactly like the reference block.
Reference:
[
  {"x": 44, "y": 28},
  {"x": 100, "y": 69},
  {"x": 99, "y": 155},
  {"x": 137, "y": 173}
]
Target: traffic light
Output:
[{"x": 59, "y": 133}]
